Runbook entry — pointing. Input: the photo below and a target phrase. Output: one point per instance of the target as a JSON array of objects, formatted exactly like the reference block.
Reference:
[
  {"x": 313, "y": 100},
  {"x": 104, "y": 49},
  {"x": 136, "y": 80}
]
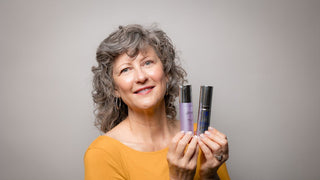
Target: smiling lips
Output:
[{"x": 144, "y": 90}]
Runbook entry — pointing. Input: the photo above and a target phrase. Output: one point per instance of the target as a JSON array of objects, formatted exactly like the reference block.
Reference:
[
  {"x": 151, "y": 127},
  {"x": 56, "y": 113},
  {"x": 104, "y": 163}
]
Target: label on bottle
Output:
[
  {"x": 204, "y": 120},
  {"x": 186, "y": 117}
]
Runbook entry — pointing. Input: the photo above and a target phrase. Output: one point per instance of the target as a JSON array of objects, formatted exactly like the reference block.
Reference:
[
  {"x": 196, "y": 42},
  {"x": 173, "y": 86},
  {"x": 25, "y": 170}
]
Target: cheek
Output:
[
  {"x": 158, "y": 75},
  {"x": 123, "y": 84}
]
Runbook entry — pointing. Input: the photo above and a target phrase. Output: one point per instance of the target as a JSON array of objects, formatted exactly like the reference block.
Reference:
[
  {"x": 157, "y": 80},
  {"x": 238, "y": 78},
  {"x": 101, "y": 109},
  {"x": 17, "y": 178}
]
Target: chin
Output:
[{"x": 149, "y": 105}]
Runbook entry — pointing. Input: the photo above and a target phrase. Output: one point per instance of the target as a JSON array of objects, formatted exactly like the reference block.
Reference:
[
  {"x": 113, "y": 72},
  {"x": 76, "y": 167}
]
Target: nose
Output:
[{"x": 140, "y": 76}]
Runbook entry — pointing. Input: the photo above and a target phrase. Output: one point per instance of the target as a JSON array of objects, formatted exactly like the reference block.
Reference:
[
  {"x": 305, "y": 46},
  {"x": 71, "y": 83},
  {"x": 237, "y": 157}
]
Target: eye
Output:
[
  {"x": 124, "y": 70},
  {"x": 148, "y": 62}
]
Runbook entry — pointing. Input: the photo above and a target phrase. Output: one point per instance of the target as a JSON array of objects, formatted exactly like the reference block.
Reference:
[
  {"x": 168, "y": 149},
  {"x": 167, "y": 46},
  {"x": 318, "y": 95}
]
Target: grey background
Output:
[{"x": 262, "y": 57}]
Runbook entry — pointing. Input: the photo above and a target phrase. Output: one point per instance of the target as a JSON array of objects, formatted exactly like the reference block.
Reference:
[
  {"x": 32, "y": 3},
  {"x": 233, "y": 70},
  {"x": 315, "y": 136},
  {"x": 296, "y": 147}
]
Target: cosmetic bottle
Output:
[
  {"x": 204, "y": 111},
  {"x": 185, "y": 108}
]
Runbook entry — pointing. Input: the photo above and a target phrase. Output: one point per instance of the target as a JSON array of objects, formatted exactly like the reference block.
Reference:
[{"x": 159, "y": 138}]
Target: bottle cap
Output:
[
  {"x": 205, "y": 96},
  {"x": 185, "y": 94}
]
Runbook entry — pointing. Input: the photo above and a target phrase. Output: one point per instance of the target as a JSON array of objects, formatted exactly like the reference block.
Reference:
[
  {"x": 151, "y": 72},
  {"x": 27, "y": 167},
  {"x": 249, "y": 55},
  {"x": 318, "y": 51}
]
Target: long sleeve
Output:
[{"x": 223, "y": 172}]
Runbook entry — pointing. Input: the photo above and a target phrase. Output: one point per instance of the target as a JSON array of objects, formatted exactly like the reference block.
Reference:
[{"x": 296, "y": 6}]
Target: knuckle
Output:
[
  {"x": 206, "y": 151},
  {"x": 210, "y": 156},
  {"x": 189, "y": 168},
  {"x": 213, "y": 165},
  {"x": 184, "y": 165},
  {"x": 173, "y": 163},
  {"x": 171, "y": 159},
  {"x": 224, "y": 143},
  {"x": 182, "y": 143},
  {"x": 179, "y": 164},
  {"x": 174, "y": 141},
  {"x": 192, "y": 165},
  {"x": 215, "y": 148},
  {"x": 191, "y": 148}
]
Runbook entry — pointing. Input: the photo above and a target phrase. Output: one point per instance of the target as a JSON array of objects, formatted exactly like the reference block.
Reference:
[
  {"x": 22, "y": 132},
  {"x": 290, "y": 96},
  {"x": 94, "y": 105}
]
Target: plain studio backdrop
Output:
[{"x": 262, "y": 57}]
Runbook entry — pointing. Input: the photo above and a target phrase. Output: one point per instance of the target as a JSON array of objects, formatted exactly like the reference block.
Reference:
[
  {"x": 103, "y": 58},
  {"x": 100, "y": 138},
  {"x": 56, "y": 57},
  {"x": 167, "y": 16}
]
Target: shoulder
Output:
[
  {"x": 104, "y": 150},
  {"x": 104, "y": 159},
  {"x": 105, "y": 143},
  {"x": 110, "y": 142}
]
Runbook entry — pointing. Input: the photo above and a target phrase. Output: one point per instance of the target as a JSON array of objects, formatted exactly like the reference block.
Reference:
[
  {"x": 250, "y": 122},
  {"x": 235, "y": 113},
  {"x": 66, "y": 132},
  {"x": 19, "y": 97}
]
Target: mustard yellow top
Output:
[{"x": 107, "y": 158}]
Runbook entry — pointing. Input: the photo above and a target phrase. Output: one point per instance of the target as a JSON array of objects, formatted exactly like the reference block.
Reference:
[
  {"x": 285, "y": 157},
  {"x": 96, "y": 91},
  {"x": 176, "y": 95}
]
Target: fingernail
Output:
[
  {"x": 201, "y": 135},
  {"x": 210, "y": 128},
  {"x": 195, "y": 136},
  {"x": 182, "y": 132},
  {"x": 189, "y": 132},
  {"x": 207, "y": 132}
]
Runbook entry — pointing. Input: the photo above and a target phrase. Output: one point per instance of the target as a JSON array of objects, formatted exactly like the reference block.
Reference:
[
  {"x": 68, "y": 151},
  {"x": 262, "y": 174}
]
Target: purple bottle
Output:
[{"x": 185, "y": 107}]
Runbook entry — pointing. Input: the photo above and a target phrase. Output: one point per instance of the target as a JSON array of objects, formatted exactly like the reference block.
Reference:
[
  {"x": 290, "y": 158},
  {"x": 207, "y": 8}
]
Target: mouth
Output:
[{"x": 144, "y": 90}]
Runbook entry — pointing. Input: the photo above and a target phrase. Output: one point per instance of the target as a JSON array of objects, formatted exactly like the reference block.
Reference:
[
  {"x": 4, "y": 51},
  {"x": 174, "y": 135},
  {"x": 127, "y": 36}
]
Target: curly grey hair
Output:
[{"x": 131, "y": 39}]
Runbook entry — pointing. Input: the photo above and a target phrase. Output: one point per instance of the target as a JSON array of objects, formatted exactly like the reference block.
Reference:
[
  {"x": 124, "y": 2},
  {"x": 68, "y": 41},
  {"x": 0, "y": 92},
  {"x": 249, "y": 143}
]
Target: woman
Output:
[{"x": 135, "y": 86}]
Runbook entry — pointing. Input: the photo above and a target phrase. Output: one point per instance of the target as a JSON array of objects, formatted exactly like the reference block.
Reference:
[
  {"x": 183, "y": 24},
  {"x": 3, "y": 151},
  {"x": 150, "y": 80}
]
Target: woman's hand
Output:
[
  {"x": 214, "y": 146},
  {"x": 182, "y": 156}
]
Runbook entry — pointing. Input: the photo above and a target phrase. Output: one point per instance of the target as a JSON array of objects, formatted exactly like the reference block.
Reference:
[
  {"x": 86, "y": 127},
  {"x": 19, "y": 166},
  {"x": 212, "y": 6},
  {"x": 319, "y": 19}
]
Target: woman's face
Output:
[{"x": 140, "y": 81}]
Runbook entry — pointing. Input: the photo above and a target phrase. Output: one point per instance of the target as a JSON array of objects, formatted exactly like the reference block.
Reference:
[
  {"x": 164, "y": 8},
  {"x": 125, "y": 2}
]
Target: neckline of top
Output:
[{"x": 134, "y": 150}]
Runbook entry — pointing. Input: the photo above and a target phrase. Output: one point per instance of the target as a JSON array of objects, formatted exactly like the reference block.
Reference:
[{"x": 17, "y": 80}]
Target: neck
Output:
[{"x": 149, "y": 126}]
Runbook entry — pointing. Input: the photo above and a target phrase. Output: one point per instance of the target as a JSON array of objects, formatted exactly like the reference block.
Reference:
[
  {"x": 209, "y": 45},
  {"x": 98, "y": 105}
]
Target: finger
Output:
[
  {"x": 205, "y": 149},
  {"x": 214, "y": 147},
  {"x": 195, "y": 156},
  {"x": 193, "y": 161},
  {"x": 216, "y": 132},
  {"x": 191, "y": 149},
  {"x": 223, "y": 150},
  {"x": 175, "y": 140},
  {"x": 216, "y": 138},
  {"x": 183, "y": 143}
]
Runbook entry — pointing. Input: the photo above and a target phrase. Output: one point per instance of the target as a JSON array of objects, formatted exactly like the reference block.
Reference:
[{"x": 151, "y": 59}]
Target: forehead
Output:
[{"x": 143, "y": 53}]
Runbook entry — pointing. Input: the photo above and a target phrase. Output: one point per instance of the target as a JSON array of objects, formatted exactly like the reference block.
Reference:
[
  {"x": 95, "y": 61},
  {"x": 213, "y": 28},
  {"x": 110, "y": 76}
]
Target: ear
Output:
[{"x": 116, "y": 93}]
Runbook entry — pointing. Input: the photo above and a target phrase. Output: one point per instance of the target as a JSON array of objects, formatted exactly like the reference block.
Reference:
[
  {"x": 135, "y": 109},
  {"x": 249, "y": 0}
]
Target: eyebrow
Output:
[
  {"x": 118, "y": 68},
  {"x": 130, "y": 59}
]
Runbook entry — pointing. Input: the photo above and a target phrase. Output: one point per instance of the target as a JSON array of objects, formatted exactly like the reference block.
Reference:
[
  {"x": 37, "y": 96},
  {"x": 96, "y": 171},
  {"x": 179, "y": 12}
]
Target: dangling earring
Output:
[
  {"x": 118, "y": 103},
  {"x": 167, "y": 89}
]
